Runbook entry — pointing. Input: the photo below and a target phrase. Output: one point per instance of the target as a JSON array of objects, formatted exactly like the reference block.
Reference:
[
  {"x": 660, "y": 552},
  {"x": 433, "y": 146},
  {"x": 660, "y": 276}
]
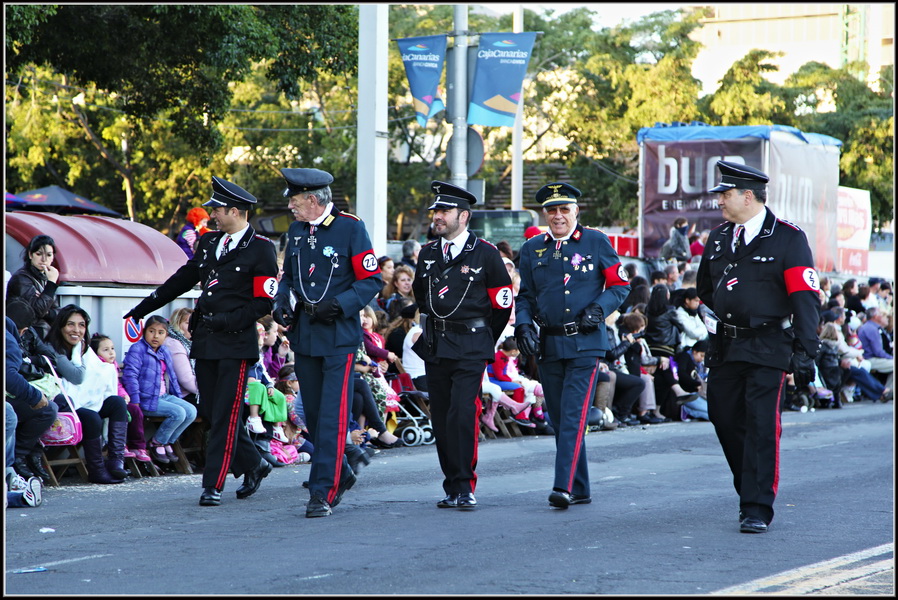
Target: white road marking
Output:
[
  {"x": 813, "y": 578},
  {"x": 68, "y": 560}
]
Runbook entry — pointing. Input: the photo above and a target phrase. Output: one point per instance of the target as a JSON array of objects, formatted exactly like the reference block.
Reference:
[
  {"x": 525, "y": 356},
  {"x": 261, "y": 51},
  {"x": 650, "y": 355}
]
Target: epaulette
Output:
[
  {"x": 262, "y": 237},
  {"x": 430, "y": 243},
  {"x": 488, "y": 243},
  {"x": 350, "y": 215},
  {"x": 789, "y": 223}
]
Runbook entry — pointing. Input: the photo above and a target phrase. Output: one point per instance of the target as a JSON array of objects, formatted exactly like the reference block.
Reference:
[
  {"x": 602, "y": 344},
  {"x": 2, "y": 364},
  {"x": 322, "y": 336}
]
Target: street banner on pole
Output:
[
  {"x": 423, "y": 59},
  {"x": 502, "y": 60}
]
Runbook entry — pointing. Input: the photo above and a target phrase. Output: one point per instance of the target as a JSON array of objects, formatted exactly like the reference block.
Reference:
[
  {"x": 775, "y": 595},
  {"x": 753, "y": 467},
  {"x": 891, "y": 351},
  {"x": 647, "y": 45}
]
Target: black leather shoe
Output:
[
  {"x": 210, "y": 497},
  {"x": 346, "y": 483},
  {"x": 752, "y": 525},
  {"x": 357, "y": 458},
  {"x": 559, "y": 499},
  {"x": 272, "y": 460},
  {"x": 253, "y": 479},
  {"x": 317, "y": 507},
  {"x": 450, "y": 501},
  {"x": 22, "y": 468},
  {"x": 650, "y": 419},
  {"x": 466, "y": 501},
  {"x": 575, "y": 499},
  {"x": 37, "y": 465}
]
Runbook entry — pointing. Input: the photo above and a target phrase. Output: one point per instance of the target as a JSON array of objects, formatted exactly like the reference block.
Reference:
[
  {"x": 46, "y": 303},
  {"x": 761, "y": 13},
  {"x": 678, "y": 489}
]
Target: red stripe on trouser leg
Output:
[
  {"x": 590, "y": 390},
  {"x": 779, "y": 430},
  {"x": 477, "y": 412},
  {"x": 233, "y": 423},
  {"x": 342, "y": 428}
]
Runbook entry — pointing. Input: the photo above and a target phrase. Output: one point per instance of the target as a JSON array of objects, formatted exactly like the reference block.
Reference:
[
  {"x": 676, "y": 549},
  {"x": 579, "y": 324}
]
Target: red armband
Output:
[
  {"x": 265, "y": 287},
  {"x": 365, "y": 265},
  {"x": 615, "y": 275},
  {"x": 801, "y": 279},
  {"x": 501, "y": 297}
]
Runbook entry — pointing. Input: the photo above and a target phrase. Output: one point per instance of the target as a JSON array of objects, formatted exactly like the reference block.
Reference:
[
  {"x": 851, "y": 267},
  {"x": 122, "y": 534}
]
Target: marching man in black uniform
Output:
[
  {"x": 465, "y": 297},
  {"x": 757, "y": 275},
  {"x": 237, "y": 271},
  {"x": 330, "y": 273},
  {"x": 571, "y": 277}
]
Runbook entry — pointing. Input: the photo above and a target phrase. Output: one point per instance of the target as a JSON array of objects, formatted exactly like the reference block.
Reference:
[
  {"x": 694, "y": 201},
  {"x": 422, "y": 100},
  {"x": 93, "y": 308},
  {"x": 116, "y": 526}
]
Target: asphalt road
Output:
[{"x": 663, "y": 522}]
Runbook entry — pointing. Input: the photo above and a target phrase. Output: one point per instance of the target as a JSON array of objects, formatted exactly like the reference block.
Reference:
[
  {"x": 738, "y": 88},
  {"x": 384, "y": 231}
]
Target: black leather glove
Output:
[
  {"x": 214, "y": 322},
  {"x": 327, "y": 311},
  {"x": 590, "y": 319},
  {"x": 802, "y": 368},
  {"x": 527, "y": 339},
  {"x": 134, "y": 314},
  {"x": 282, "y": 315}
]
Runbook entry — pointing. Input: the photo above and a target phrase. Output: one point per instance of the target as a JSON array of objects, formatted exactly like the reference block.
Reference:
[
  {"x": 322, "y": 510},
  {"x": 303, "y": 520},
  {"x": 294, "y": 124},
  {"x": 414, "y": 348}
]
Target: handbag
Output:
[{"x": 66, "y": 429}]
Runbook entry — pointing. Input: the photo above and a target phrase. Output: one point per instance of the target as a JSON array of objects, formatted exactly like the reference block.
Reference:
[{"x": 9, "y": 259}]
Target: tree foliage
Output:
[{"x": 141, "y": 111}]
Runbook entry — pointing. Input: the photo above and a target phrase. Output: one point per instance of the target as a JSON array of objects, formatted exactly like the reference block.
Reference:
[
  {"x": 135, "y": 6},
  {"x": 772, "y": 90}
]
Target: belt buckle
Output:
[
  {"x": 309, "y": 308},
  {"x": 439, "y": 324},
  {"x": 730, "y": 330},
  {"x": 571, "y": 328}
]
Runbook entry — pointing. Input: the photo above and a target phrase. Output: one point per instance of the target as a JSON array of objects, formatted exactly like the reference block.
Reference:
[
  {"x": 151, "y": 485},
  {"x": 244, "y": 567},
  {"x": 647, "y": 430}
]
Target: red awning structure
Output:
[{"x": 99, "y": 250}]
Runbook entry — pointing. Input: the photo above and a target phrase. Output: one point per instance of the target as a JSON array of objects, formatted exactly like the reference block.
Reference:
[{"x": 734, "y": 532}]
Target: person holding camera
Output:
[{"x": 571, "y": 277}]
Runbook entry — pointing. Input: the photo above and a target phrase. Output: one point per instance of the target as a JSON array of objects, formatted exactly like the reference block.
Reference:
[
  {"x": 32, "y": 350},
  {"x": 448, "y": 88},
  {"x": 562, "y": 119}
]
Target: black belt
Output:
[
  {"x": 732, "y": 331},
  {"x": 308, "y": 308},
  {"x": 457, "y": 326},
  {"x": 567, "y": 329}
]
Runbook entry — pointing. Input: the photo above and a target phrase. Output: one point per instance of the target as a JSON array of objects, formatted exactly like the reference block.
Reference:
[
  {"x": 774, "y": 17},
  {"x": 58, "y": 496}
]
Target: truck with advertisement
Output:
[{"x": 677, "y": 166}]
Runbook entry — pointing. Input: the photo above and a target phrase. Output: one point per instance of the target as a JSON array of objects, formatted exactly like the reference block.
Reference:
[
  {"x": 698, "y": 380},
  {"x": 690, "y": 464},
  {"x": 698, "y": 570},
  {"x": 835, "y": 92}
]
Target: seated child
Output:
[
  {"x": 136, "y": 445},
  {"x": 148, "y": 376},
  {"x": 261, "y": 395}
]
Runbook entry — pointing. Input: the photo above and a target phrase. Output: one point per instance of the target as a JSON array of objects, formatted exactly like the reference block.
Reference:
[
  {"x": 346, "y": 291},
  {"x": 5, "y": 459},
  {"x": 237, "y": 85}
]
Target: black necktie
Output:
[
  {"x": 448, "y": 254},
  {"x": 226, "y": 248}
]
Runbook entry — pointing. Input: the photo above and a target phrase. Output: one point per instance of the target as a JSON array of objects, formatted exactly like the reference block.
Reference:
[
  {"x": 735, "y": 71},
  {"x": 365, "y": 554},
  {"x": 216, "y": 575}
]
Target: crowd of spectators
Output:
[{"x": 653, "y": 373}]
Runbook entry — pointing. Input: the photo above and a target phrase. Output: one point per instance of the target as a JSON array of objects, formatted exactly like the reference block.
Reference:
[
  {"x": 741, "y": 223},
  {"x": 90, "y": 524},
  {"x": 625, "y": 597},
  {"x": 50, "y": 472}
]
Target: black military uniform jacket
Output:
[
  {"x": 559, "y": 279},
  {"x": 238, "y": 289},
  {"x": 335, "y": 260},
  {"x": 762, "y": 287},
  {"x": 465, "y": 304}
]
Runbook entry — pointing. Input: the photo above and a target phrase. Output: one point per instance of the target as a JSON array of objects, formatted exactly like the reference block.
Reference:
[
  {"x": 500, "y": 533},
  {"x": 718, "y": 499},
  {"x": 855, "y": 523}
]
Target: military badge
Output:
[
  {"x": 465, "y": 269},
  {"x": 328, "y": 251}
]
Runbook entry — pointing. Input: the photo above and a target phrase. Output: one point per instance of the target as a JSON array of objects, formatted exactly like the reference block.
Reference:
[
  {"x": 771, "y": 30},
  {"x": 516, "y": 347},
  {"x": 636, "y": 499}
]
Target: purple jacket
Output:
[
  {"x": 871, "y": 340},
  {"x": 142, "y": 374}
]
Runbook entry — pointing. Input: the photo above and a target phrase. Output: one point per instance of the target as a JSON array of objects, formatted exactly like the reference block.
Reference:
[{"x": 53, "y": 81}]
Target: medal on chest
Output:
[
  {"x": 312, "y": 239},
  {"x": 557, "y": 253}
]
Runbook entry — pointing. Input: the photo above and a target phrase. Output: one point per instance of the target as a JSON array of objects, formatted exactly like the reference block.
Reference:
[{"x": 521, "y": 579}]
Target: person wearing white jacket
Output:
[
  {"x": 95, "y": 397},
  {"x": 690, "y": 318}
]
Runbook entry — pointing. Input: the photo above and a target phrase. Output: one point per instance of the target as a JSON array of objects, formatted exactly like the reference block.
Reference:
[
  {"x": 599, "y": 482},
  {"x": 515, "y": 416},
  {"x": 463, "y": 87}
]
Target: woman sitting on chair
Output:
[{"x": 94, "y": 395}]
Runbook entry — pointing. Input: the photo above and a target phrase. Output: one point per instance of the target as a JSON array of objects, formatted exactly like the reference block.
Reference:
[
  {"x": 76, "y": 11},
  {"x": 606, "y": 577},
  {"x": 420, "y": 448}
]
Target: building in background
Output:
[{"x": 833, "y": 34}]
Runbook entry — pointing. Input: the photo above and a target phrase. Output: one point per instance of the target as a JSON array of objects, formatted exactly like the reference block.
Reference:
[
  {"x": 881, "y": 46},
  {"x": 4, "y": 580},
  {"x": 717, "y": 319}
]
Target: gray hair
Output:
[
  {"x": 409, "y": 247},
  {"x": 324, "y": 195},
  {"x": 761, "y": 195}
]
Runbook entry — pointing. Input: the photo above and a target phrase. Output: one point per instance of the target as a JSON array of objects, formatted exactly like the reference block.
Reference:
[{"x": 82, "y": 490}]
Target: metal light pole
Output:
[
  {"x": 458, "y": 100},
  {"x": 517, "y": 153}
]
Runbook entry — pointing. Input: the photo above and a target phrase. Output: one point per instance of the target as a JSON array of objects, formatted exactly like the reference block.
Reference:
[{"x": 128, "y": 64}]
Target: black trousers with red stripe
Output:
[
  {"x": 569, "y": 386},
  {"x": 744, "y": 403},
  {"x": 454, "y": 399},
  {"x": 326, "y": 386},
  {"x": 222, "y": 385}
]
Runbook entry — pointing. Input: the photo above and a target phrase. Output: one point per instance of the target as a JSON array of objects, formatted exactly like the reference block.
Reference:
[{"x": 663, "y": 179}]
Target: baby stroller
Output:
[{"x": 413, "y": 416}]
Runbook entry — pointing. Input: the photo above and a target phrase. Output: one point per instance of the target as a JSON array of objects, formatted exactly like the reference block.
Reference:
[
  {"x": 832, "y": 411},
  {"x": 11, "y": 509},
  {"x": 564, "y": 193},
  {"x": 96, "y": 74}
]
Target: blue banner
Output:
[
  {"x": 423, "y": 59},
  {"x": 502, "y": 60}
]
